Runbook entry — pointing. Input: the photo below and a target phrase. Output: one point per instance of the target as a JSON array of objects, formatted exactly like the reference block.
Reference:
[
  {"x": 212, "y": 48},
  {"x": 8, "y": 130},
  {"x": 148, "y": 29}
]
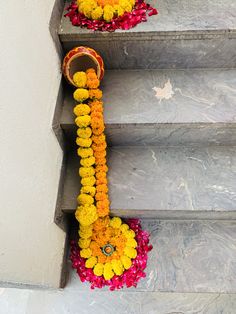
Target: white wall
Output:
[{"x": 31, "y": 245}]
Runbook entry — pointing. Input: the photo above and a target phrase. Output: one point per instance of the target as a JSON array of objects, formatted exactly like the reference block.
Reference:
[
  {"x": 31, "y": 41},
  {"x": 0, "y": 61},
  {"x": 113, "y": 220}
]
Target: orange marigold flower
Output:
[
  {"x": 102, "y": 259},
  {"x": 102, "y": 188},
  {"x": 99, "y": 131},
  {"x": 100, "y": 161},
  {"x": 101, "y": 154},
  {"x": 101, "y": 223},
  {"x": 101, "y": 181},
  {"x": 90, "y": 70},
  {"x": 103, "y": 208},
  {"x": 100, "y": 196},
  {"x": 99, "y": 139},
  {"x": 92, "y": 80},
  {"x": 96, "y": 114},
  {"x": 100, "y": 147},
  {"x": 96, "y": 106},
  {"x": 95, "y": 93},
  {"x": 96, "y": 123},
  {"x": 101, "y": 168},
  {"x": 101, "y": 175}
]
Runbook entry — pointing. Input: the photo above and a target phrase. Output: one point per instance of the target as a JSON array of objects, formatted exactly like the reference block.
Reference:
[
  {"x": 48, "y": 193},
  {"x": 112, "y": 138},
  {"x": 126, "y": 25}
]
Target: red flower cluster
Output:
[
  {"x": 130, "y": 277},
  {"x": 125, "y": 22}
]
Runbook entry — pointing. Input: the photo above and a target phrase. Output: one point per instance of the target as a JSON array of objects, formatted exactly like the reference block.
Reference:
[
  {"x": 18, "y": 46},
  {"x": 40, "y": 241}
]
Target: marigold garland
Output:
[
  {"x": 108, "y": 15},
  {"x": 108, "y": 252}
]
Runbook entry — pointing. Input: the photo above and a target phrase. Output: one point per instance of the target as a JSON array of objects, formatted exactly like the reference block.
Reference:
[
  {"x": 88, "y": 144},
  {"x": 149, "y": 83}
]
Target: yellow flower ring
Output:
[
  {"x": 108, "y": 251},
  {"x": 109, "y": 15}
]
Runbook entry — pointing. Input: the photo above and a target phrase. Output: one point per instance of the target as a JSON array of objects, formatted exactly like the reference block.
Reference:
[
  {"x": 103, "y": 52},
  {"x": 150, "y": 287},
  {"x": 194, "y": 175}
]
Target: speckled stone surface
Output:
[
  {"x": 184, "y": 34},
  {"x": 13, "y": 301},
  {"x": 165, "y": 107},
  {"x": 168, "y": 182}
]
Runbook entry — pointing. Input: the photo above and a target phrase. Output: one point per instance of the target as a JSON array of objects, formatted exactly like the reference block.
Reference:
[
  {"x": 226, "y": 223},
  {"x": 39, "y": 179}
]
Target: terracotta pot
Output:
[{"x": 80, "y": 59}]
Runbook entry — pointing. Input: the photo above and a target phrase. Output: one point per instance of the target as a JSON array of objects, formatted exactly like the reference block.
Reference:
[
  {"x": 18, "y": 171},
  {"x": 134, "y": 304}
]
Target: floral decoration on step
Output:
[
  {"x": 108, "y": 252},
  {"x": 109, "y": 15}
]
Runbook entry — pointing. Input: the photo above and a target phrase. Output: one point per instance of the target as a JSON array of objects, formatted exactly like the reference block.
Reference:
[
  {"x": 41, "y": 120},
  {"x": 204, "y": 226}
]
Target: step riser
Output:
[
  {"x": 131, "y": 135},
  {"x": 166, "y": 214},
  {"x": 216, "y": 52}
]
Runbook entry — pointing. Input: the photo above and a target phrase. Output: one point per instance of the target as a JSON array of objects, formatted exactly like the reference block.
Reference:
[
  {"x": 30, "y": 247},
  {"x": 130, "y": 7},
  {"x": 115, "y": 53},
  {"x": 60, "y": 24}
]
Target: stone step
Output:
[
  {"x": 185, "y": 34},
  {"x": 187, "y": 257},
  {"x": 165, "y": 183},
  {"x": 165, "y": 107}
]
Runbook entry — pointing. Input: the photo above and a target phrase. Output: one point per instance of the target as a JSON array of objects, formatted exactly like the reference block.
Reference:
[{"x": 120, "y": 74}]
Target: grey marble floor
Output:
[
  {"x": 174, "y": 182},
  {"x": 16, "y": 301},
  {"x": 188, "y": 258},
  {"x": 178, "y": 15},
  {"x": 165, "y": 107}
]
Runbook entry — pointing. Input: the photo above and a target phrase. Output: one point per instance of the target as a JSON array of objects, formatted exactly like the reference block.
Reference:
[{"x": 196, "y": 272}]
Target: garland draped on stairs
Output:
[{"x": 109, "y": 252}]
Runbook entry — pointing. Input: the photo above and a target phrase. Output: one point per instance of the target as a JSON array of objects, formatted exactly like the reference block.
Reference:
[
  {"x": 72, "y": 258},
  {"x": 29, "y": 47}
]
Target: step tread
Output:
[
  {"x": 169, "y": 182},
  {"x": 187, "y": 256},
  {"x": 175, "y": 17},
  {"x": 183, "y": 97}
]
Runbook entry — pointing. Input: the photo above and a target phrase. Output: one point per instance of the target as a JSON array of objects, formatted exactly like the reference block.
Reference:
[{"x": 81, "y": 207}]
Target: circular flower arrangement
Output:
[
  {"x": 108, "y": 252},
  {"x": 109, "y": 15}
]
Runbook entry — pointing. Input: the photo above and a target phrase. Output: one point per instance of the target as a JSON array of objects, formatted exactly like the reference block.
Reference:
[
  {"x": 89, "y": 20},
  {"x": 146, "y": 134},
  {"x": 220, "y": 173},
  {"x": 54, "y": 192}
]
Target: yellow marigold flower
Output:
[
  {"x": 97, "y": 13},
  {"x": 131, "y": 243},
  {"x": 83, "y": 121},
  {"x": 85, "y": 199},
  {"x": 98, "y": 269},
  {"x": 85, "y": 234},
  {"x": 85, "y": 228},
  {"x": 124, "y": 227},
  {"x": 86, "y": 171},
  {"x": 80, "y": 79},
  {"x": 119, "y": 10},
  {"x": 90, "y": 181},
  {"x": 117, "y": 267},
  {"x": 81, "y": 110},
  {"x": 86, "y": 214},
  {"x": 126, "y": 261},
  {"x": 83, "y": 142},
  {"x": 81, "y": 94},
  {"x": 87, "y": 162},
  {"x": 84, "y": 243},
  {"x": 91, "y": 262},
  {"x": 86, "y": 7},
  {"x": 84, "y": 132},
  {"x": 86, "y": 253},
  {"x": 129, "y": 234},
  {"x": 126, "y": 5},
  {"x": 107, "y": 272},
  {"x": 115, "y": 222},
  {"x": 85, "y": 152},
  {"x": 108, "y": 13},
  {"x": 91, "y": 190},
  {"x": 130, "y": 252}
]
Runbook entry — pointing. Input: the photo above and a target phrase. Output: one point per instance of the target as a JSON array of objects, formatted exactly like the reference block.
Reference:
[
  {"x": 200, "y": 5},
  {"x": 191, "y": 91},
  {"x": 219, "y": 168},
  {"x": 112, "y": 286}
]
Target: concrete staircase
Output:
[{"x": 170, "y": 113}]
